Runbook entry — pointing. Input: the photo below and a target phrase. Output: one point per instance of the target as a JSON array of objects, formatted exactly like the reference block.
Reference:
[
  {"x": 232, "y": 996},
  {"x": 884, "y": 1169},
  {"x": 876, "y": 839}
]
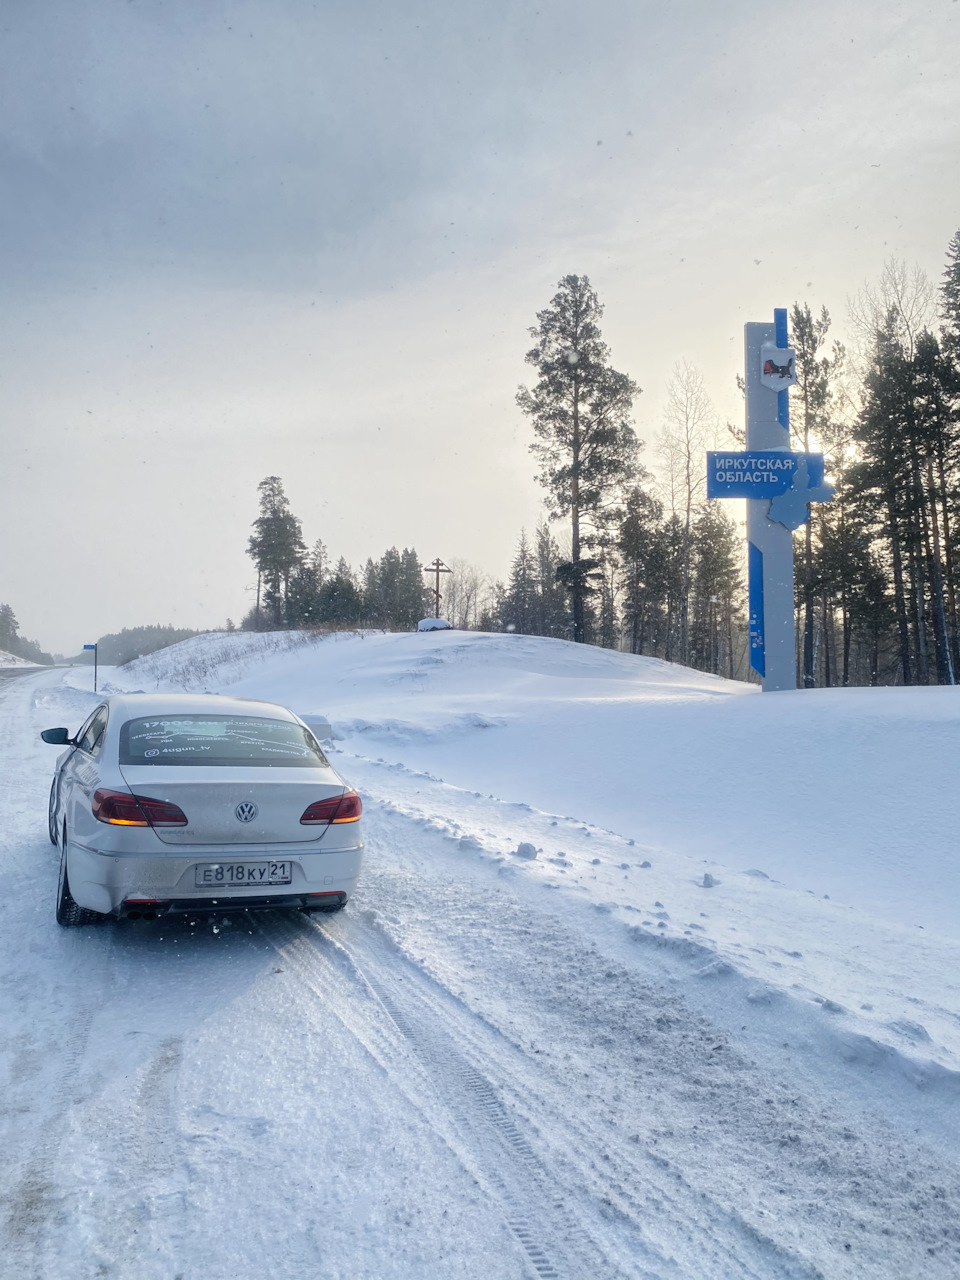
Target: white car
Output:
[{"x": 188, "y": 803}]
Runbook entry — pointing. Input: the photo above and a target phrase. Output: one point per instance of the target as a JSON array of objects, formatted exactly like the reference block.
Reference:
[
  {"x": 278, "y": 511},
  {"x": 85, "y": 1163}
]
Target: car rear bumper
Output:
[
  {"x": 105, "y": 882},
  {"x": 139, "y": 909}
]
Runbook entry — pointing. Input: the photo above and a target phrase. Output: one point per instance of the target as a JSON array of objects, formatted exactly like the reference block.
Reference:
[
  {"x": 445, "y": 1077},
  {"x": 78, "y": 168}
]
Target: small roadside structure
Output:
[
  {"x": 319, "y": 726},
  {"x": 434, "y": 624}
]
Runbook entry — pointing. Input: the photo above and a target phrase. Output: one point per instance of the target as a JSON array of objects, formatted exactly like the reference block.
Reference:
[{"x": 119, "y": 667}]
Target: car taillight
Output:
[
  {"x": 118, "y": 807},
  {"x": 122, "y": 809},
  {"x": 345, "y": 808},
  {"x": 161, "y": 813}
]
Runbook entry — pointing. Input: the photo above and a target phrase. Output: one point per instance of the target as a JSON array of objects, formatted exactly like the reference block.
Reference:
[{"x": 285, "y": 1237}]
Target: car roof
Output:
[{"x": 131, "y": 705}]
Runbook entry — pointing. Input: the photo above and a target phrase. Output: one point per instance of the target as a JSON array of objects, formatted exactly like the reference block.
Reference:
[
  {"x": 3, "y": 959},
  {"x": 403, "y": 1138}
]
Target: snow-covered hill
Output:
[{"x": 12, "y": 660}]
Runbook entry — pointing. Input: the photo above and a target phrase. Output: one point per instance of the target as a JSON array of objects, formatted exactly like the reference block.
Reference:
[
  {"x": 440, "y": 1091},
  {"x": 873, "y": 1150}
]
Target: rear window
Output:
[{"x": 218, "y": 740}]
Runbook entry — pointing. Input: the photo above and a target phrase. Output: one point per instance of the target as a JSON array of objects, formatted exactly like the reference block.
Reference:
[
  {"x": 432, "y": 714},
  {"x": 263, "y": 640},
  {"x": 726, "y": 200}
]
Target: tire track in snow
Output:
[
  {"x": 642, "y": 1208},
  {"x": 32, "y": 1204},
  {"x": 501, "y": 1155},
  {"x": 147, "y": 1141},
  {"x": 478, "y": 1109},
  {"x": 630, "y": 1184}
]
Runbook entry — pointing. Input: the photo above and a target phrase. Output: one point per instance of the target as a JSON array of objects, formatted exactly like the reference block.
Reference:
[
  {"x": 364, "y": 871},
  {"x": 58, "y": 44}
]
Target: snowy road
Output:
[{"x": 453, "y": 1078}]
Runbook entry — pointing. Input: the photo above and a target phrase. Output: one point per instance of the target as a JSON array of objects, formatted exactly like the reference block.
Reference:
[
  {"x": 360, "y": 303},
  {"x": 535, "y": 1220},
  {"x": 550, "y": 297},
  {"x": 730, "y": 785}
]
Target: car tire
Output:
[
  {"x": 52, "y": 814},
  {"x": 324, "y": 910},
  {"x": 68, "y": 912}
]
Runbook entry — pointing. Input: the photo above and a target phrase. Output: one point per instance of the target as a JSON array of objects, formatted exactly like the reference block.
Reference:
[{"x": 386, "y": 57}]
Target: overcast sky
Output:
[{"x": 308, "y": 239}]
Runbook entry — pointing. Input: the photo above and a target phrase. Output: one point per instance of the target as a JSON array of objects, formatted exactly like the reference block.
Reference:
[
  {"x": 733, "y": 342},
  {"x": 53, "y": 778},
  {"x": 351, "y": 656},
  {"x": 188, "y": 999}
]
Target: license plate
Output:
[{"x": 221, "y": 875}]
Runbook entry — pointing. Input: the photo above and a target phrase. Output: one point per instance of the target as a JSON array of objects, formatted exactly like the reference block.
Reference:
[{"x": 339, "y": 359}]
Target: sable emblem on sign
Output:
[{"x": 778, "y": 366}]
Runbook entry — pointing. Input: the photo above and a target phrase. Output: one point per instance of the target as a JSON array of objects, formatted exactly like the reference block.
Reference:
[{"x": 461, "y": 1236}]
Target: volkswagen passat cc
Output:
[{"x": 177, "y": 802}]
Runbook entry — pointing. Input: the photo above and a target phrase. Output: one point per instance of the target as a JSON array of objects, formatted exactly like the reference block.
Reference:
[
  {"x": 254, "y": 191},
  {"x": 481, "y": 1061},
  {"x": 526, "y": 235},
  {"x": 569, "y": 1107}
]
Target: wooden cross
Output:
[{"x": 436, "y": 567}]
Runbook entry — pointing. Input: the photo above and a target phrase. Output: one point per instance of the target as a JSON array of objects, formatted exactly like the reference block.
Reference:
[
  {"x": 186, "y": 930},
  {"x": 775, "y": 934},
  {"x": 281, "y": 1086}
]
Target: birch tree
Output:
[{"x": 689, "y": 430}]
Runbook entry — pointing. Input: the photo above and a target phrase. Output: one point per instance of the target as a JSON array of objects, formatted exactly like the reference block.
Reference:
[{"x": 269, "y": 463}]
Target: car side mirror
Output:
[{"x": 56, "y": 737}]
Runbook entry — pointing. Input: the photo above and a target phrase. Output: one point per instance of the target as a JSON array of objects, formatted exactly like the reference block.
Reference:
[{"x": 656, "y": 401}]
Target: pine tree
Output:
[
  {"x": 12, "y": 642},
  {"x": 303, "y": 605},
  {"x": 394, "y": 592},
  {"x": 717, "y": 589},
  {"x": 872, "y": 622},
  {"x": 340, "y": 601},
  {"x": 580, "y": 409},
  {"x": 551, "y": 616},
  {"x": 370, "y": 593},
  {"x": 388, "y": 588},
  {"x": 276, "y": 547},
  {"x": 642, "y": 555},
  {"x": 520, "y": 602},
  {"x": 950, "y": 298},
  {"x": 813, "y": 396},
  {"x": 607, "y": 622},
  {"x": 908, "y": 435},
  {"x": 495, "y": 609},
  {"x": 8, "y": 628},
  {"x": 415, "y": 601},
  {"x": 879, "y": 483}
]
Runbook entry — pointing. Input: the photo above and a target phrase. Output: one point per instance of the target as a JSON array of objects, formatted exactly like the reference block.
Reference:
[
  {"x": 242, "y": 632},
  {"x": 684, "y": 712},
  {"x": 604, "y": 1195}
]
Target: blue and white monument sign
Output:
[{"x": 779, "y": 486}]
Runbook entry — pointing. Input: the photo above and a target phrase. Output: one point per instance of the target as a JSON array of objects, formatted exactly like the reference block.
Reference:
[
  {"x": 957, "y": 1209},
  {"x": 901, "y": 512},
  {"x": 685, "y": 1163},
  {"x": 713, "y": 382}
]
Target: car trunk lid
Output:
[{"x": 261, "y": 807}]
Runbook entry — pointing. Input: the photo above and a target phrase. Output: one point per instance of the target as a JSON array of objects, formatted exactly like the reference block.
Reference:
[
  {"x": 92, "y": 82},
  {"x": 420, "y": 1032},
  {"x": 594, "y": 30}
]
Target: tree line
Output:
[
  {"x": 11, "y": 641},
  {"x": 118, "y": 647},
  {"x": 877, "y": 588},
  {"x": 299, "y": 587}
]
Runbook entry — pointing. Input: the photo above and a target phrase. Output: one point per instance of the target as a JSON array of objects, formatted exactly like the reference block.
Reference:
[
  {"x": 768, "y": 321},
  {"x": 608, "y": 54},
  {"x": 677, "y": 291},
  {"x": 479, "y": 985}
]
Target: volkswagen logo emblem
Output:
[{"x": 246, "y": 811}]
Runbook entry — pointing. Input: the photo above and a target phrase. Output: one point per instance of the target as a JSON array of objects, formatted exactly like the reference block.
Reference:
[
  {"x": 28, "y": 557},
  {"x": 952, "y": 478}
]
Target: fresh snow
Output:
[{"x": 647, "y": 974}]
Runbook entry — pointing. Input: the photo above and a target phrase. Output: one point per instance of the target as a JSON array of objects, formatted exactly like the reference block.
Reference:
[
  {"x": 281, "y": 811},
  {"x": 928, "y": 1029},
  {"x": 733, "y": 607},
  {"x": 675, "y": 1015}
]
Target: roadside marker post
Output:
[
  {"x": 779, "y": 486},
  {"x": 94, "y": 648}
]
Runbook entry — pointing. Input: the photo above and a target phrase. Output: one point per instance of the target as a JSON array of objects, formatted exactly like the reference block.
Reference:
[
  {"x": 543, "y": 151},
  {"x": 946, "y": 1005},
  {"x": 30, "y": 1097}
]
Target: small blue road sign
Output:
[{"x": 89, "y": 646}]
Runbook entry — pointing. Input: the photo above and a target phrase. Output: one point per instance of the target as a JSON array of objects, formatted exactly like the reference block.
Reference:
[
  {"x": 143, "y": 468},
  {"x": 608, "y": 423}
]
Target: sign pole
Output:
[
  {"x": 94, "y": 648},
  {"x": 769, "y": 543}
]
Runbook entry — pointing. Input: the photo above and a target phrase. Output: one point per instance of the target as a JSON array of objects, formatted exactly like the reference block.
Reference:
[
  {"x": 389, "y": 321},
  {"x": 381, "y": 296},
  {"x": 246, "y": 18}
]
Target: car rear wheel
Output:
[{"x": 68, "y": 913}]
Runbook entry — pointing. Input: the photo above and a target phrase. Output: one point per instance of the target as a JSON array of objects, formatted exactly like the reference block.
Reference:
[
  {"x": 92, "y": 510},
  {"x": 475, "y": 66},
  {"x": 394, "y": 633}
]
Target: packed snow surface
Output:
[{"x": 648, "y": 975}]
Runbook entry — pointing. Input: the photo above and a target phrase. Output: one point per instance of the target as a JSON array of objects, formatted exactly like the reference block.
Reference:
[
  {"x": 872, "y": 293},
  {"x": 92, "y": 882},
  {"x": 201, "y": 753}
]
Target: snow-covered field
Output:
[{"x": 712, "y": 1028}]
